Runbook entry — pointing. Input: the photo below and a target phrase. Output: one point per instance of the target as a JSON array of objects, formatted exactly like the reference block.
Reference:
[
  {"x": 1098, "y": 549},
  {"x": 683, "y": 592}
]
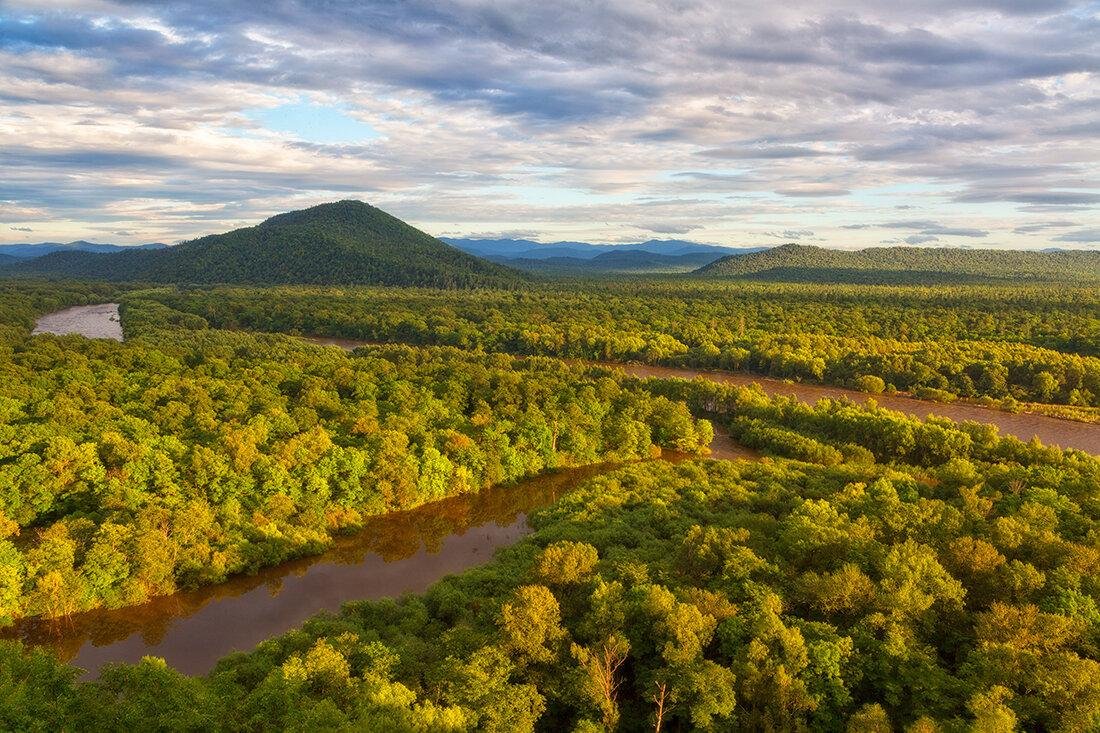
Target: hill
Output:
[
  {"x": 38, "y": 249},
  {"x": 342, "y": 243},
  {"x": 796, "y": 262}
]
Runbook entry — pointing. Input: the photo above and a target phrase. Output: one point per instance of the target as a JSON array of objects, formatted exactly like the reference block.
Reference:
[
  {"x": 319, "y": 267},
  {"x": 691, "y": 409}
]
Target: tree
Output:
[{"x": 530, "y": 624}]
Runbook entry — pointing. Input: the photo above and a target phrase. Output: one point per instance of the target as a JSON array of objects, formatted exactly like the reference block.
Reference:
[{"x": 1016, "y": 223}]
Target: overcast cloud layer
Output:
[{"x": 945, "y": 123}]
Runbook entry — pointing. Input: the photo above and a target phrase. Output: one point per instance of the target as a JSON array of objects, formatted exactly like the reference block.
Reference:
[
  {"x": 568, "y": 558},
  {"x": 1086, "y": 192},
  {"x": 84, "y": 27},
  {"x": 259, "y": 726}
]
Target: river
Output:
[
  {"x": 100, "y": 321},
  {"x": 400, "y": 552},
  {"x": 396, "y": 553},
  {"x": 403, "y": 552},
  {"x": 1023, "y": 425}
]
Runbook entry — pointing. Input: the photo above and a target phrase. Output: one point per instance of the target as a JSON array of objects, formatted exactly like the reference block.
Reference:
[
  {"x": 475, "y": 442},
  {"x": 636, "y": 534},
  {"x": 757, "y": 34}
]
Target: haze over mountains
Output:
[
  {"x": 38, "y": 249},
  {"x": 528, "y": 249},
  {"x": 584, "y": 258}
]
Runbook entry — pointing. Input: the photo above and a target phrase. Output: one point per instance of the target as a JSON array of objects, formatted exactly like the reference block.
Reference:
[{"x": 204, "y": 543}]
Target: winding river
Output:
[
  {"x": 396, "y": 553},
  {"x": 1024, "y": 425}
]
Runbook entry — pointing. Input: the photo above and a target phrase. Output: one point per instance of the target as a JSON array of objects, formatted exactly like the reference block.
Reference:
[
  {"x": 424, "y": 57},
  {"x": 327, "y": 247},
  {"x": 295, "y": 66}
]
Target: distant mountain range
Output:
[
  {"x": 527, "y": 249},
  {"x": 350, "y": 242},
  {"x": 342, "y": 243},
  {"x": 624, "y": 262},
  {"x": 37, "y": 249},
  {"x": 579, "y": 258},
  {"x": 797, "y": 262}
]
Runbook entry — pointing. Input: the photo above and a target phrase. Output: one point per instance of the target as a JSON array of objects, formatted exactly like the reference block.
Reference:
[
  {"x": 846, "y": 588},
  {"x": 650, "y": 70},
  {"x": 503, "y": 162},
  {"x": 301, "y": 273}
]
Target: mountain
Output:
[
  {"x": 529, "y": 250},
  {"x": 37, "y": 249},
  {"x": 341, "y": 243},
  {"x": 7, "y": 259},
  {"x": 797, "y": 262},
  {"x": 624, "y": 261}
]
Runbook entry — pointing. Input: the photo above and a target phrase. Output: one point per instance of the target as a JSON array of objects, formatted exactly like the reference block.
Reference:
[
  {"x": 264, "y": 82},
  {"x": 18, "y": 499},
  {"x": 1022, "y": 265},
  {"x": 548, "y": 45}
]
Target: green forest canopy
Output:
[
  {"x": 998, "y": 343},
  {"x": 877, "y": 572},
  {"x": 180, "y": 457}
]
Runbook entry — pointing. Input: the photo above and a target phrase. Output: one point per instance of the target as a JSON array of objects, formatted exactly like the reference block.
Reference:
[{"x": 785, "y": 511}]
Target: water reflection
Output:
[{"x": 402, "y": 552}]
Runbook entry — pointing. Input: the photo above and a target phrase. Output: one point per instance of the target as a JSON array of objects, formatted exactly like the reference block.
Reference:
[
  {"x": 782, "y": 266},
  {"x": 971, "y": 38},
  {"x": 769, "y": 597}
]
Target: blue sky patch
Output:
[{"x": 312, "y": 122}]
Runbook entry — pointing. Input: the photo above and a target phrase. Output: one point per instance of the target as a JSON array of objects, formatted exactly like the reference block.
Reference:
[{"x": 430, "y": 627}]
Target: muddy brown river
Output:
[
  {"x": 1024, "y": 425},
  {"x": 398, "y": 553}
]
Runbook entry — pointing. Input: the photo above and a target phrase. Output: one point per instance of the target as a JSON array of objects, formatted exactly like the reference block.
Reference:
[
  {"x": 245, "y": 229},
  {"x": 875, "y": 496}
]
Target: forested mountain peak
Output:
[
  {"x": 341, "y": 243},
  {"x": 348, "y": 213}
]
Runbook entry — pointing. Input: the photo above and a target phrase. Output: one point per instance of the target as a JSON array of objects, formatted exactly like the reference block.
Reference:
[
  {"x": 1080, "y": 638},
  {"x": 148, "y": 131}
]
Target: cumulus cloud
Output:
[{"x": 570, "y": 120}]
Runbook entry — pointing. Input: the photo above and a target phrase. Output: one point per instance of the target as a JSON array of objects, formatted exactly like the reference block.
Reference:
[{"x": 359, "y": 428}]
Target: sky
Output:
[{"x": 851, "y": 123}]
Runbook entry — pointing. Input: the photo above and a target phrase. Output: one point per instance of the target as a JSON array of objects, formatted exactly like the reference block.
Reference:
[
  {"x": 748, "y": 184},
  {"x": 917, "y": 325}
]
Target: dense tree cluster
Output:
[
  {"x": 703, "y": 595},
  {"x": 21, "y": 302},
  {"x": 874, "y": 572},
  {"x": 841, "y": 431},
  {"x": 940, "y": 344},
  {"x": 182, "y": 456}
]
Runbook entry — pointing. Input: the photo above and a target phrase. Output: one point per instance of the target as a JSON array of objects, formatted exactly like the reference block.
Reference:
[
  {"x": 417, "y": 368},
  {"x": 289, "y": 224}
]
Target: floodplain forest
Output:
[{"x": 867, "y": 571}]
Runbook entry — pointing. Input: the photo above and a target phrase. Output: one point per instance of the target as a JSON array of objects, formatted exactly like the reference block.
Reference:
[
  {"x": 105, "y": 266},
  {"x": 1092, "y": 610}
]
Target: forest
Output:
[
  {"x": 871, "y": 571},
  {"x": 1002, "y": 345},
  {"x": 699, "y": 596},
  {"x": 180, "y": 457}
]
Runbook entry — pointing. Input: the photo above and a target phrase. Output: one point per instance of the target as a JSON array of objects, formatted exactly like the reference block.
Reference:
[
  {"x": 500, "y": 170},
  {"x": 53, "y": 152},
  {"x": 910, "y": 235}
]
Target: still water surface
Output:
[{"x": 400, "y": 552}]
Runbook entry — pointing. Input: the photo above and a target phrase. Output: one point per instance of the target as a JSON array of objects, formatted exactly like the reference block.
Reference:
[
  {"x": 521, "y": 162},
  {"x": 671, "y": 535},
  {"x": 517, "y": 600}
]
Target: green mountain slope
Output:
[
  {"x": 342, "y": 243},
  {"x": 799, "y": 262}
]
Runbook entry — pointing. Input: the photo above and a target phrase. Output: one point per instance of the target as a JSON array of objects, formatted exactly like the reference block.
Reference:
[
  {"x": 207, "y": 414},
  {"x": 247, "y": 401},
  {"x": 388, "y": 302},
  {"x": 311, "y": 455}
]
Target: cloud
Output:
[
  {"x": 21, "y": 229},
  {"x": 811, "y": 191},
  {"x": 930, "y": 228},
  {"x": 1048, "y": 198},
  {"x": 1081, "y": 236},
  {"x": 777, "y": 152},
  {"x": 1042, "y": 226},
  {"x": 668, "y": 228},
  {"x": 790, "y": 234},
  {"x": 921, "y": 239},
  {"x": 563, "y": 120}
]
